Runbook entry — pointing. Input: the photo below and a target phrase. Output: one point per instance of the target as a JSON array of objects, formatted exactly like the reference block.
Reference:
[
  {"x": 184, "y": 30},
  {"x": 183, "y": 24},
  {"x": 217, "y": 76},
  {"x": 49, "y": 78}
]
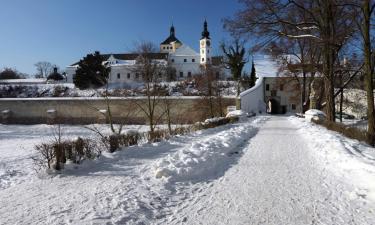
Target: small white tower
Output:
[{"x": 205, "y": 46}]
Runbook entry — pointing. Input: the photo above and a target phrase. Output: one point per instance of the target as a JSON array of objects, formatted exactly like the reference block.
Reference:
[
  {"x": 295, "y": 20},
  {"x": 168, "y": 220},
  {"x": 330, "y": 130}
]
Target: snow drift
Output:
[{"x": 207, "y": 157}]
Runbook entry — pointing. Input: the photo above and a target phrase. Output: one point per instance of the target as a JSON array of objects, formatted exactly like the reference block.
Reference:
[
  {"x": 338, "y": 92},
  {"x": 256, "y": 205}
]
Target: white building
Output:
[{"x": 173, "y": 52}]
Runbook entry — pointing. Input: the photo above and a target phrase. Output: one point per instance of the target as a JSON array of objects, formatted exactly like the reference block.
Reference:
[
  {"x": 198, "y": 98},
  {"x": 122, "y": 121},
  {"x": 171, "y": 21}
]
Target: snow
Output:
[
  {"x": 176, "y": 88},
  {"x": 352, "y": 160},
  {"x": 24, "y": 81},
  {"x": 261, "y": 170},
  {"x": 235, "y": 113},
  {"x": 314, "y": 114},
  {"x": 185, "y": 50},
  {"x": 266, "y": 66},
  {"x": 201, "y": 160}
]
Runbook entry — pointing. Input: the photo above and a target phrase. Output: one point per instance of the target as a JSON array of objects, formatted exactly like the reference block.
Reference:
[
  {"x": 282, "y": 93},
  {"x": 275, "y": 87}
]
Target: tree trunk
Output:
[
  {"x": 368, "y": 72},
  {"x": 341, "y": 102},
  {"x": 329, "y": 56}
]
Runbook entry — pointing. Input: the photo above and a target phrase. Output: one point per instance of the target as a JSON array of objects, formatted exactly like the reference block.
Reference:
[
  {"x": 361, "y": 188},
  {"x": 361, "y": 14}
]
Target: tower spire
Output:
[
  {"x": 172, "y": 31},
  {"x": 205, "y": 33}
]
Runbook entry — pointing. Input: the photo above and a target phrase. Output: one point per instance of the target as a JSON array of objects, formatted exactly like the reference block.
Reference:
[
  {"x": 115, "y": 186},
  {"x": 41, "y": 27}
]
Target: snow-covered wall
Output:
[
  {"x": 81, "y": 110},
  {"x": 252, "y": 100}
]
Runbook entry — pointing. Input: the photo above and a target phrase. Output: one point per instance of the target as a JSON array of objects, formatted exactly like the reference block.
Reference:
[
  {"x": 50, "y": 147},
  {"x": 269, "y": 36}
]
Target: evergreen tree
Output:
[
  {"x": 253, "y": 77},
  {"x": 91, "y": 72}
]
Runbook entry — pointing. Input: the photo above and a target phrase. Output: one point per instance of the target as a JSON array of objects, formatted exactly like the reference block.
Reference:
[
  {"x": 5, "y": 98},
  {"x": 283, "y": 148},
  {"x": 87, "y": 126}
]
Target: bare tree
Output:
[
  {"x": 43, "y": 69},
  {"x": 151, "y": 71},
  {"x": 235, "y": 58},
  {"x": 365, "y": 23},
  {"x": 326, "y": 22},
  {"x": 208, "y": 85}
]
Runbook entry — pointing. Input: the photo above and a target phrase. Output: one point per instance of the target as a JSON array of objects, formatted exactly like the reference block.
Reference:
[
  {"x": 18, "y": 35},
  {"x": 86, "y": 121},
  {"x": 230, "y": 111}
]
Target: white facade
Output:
[{"x": 173, "y": 52}]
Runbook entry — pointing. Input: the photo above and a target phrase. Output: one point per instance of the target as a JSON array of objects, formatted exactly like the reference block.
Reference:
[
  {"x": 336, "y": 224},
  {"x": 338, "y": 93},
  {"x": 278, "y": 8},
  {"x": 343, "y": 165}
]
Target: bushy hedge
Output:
[{"x": 55, "y": 154}]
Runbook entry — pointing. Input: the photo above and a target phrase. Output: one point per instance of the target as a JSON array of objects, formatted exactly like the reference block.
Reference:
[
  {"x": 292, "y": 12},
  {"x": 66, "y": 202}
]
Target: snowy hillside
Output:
[
  {"x": 262, "y": 170},
  {"x": 178, "y": 88},
  {"x": 354, "y": 102}
]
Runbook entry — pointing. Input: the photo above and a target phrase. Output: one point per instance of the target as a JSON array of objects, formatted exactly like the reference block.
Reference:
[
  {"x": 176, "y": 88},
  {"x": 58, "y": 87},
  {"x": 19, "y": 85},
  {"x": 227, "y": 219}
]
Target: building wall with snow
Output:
[{"x": 252, "y": 100}]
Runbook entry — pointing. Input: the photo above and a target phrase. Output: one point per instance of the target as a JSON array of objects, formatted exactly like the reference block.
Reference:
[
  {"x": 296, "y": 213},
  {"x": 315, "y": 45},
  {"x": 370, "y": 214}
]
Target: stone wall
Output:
[{"x": 95, "y": 110}]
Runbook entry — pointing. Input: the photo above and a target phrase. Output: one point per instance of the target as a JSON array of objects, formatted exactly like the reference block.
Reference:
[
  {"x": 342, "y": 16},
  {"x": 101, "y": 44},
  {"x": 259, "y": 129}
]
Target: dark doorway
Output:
[{"x": 274, "y": 106}]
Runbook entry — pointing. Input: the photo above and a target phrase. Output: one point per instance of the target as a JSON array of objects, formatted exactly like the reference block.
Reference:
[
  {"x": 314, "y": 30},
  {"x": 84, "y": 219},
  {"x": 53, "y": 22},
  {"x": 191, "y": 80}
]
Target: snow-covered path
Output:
[
  {"x": 278, "y": 180},
  {"x": 262, "y": 170}
]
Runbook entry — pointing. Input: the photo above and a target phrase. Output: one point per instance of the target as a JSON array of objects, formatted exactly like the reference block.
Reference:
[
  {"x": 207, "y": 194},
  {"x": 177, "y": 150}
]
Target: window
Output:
[
  {"x": 189, "y": 74},
  {"x": 281, "y": 87},
  {"x": 208, "y": 51},
  {"x": 202, "y": 59},
  {"x": 181, "y": 74},
  {"x": 128, "y": 75},
  {"x": 164, "y": 47},
  {"x": 118, "y": 76},
  {"x": 267, "y": 87},
  {"x": 273, "y": 93},
  {"x": 192, "y": 60},
  {"x": 172, "y": 60},
  {"x": 185, "y": 60},
  {"x": 293, "y": 107},
  {"x": 217, "y": 75},
  {"x": 136, "y": 75}
]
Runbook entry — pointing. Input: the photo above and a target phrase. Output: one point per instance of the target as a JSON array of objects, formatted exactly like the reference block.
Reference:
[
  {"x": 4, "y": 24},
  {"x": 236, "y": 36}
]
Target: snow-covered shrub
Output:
[
  {"x": 314, "y": 114},
  {"x": 78, "y": 150},
  {"x": 54, "y": 154},
  {"x": 181, "y": 131},
  {"x": 114, "y": 143},
  {"x": 214, "y": 122},
  {"x": 157, "y": 135},
  {"x": 129, "y": 139},
  {"x": 59, "y": 91},
  {"x": 45, "y": 156}
]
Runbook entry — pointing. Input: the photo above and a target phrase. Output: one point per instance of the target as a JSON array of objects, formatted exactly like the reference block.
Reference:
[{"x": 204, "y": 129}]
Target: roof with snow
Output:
[
  {"x": 266, "y": 66},
  {"x": 184, "y": 50},
  {"x": 132, "y": 56}
]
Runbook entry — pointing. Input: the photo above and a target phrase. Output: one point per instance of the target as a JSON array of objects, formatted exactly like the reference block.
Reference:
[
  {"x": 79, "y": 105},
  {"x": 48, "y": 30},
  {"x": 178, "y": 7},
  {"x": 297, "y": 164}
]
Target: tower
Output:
[
  {"x": 171, "y": 43},
  {"x": 205, "y": 46}
]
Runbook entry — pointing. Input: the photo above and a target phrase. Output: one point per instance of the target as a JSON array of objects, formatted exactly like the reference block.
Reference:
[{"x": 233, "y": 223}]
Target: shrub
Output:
[
  {"x": 114, "y": 143},
  {"x": 129, "y": 139},
  {"x": 45, "y": 156},
  {"x": 350, "y": 132},
  {"x": 157, "y": 135},
  {"x": 55, "y": 154}
]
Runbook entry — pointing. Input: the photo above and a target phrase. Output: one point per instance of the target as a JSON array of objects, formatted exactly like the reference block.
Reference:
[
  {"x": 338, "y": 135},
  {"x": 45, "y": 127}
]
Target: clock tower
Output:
[{"x": 205, "y": 46}]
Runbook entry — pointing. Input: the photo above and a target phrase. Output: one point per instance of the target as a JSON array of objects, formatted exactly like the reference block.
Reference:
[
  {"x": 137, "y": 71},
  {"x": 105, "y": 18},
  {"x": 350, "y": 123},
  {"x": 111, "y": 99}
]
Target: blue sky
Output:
[{"x": 63, "y": 31}]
